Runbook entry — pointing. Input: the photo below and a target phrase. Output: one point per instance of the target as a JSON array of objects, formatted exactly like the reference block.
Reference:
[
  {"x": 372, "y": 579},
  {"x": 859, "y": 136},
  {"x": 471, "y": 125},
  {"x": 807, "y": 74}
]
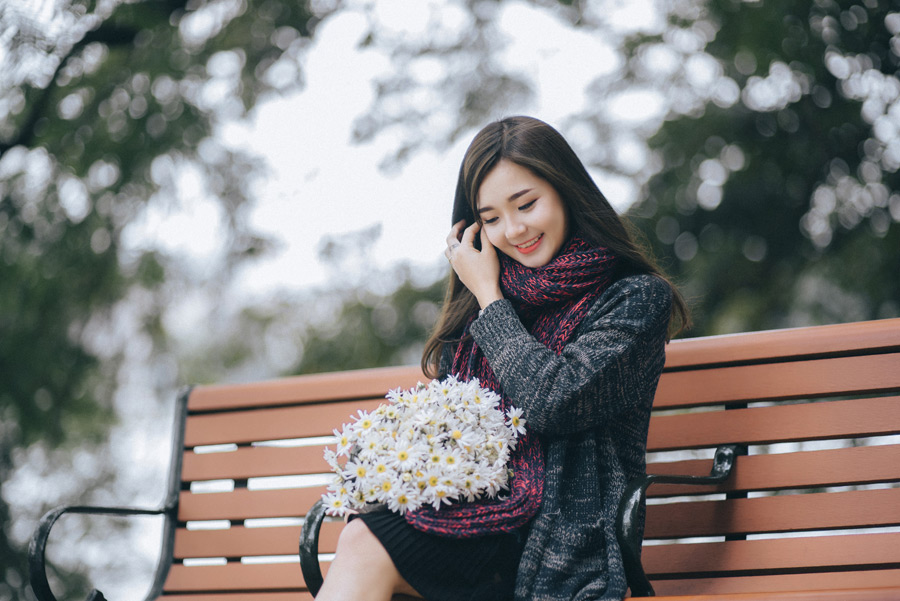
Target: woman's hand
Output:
[{"x": 478, "y": 270}]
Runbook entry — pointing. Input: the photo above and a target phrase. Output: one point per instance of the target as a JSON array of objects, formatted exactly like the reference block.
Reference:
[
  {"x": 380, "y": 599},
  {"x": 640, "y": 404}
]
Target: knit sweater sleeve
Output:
[{"x": 617, "y": 354}]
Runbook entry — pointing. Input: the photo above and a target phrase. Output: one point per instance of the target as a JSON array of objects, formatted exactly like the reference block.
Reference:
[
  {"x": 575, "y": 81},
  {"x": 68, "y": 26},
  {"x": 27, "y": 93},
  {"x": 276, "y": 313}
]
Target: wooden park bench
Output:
[{"x": 810, "y": 510}]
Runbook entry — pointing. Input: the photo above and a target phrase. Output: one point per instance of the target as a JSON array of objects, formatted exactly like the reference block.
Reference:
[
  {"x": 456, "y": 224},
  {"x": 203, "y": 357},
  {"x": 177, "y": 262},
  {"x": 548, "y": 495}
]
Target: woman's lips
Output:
[{"x": 534, "y": 243}]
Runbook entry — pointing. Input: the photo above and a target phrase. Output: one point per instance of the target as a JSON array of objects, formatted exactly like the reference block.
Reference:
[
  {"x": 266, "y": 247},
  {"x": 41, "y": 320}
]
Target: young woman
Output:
[{"x": 553, "y": 305}]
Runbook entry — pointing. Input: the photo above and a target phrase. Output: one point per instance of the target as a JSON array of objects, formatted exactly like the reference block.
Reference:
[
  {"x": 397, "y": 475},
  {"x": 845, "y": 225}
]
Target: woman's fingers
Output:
[
  {"x": 485, "y": 242},
  {"x": 453, "y": 239},
  {"x": 453, "y": 236},
  {"x": 468, "y": 237}
]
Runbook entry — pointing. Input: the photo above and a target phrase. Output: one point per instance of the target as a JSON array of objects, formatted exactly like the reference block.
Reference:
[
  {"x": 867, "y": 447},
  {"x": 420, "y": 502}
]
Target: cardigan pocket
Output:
[{"x": 574, "y": 565}]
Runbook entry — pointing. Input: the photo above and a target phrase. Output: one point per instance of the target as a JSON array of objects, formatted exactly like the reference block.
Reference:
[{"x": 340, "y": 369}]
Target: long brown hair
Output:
[{"x": 538, "y": 147}]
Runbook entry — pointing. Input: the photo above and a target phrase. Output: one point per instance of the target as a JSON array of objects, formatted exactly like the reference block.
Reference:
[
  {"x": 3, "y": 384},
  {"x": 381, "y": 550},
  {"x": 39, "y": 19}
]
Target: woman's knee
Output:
[{"x": 357, "y": 539}]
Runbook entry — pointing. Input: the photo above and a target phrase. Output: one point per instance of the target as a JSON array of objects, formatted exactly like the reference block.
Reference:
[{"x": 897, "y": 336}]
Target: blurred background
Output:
[{"x": 198, "y": 191}]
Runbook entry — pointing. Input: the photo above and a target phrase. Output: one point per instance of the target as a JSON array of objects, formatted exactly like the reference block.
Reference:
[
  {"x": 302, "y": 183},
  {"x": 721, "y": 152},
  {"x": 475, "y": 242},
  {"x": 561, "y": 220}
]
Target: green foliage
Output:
[
  {"x": 374, "y": 330},
  {"x": 102, "y": 106},
  {"x": 382, "y": 319},
  {"x": 770, "y": 206}
]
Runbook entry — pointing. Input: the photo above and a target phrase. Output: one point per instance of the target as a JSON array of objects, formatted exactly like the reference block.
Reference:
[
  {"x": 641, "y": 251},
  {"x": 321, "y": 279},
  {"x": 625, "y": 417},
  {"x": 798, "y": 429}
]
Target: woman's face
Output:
[{"x": 522, "y": 214}]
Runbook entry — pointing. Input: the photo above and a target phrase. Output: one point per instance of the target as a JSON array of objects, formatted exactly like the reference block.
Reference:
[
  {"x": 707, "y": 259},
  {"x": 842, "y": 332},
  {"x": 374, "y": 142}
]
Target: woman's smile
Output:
[{"x": 531, "y": 245}]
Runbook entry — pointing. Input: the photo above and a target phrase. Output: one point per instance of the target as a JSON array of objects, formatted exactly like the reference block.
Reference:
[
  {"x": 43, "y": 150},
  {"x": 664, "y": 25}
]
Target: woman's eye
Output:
[
  {"x": 527, "y": 205},
  {"x": 489, "y": 220}
]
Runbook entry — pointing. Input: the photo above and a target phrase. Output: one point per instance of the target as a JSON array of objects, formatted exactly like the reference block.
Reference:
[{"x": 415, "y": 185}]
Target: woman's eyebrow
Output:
[
  {"x": 510, "y": 199},
  {"x": 518, "y": 194}
]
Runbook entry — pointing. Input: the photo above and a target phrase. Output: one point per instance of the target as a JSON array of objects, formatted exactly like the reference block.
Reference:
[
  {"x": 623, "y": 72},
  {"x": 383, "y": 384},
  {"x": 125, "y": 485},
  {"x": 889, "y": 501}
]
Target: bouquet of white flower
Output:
[{"x": 429, "y": 445}]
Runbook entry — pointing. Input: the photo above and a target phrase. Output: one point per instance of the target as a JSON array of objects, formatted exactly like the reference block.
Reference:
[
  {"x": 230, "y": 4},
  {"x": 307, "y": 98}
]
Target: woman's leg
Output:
[{"x": 362, "y": 570}]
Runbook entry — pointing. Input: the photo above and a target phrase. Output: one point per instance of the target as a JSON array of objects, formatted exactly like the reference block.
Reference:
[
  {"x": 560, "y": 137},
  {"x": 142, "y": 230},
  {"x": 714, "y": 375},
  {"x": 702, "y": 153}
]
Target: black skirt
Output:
[{"x": 449, "y": 569}]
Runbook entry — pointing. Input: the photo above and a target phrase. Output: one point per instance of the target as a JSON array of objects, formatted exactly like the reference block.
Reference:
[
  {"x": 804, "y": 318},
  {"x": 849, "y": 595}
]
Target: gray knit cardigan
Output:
[{"x": 591, "y": 406}]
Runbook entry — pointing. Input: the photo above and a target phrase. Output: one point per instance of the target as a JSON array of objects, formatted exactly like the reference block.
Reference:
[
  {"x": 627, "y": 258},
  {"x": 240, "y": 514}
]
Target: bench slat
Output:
[
  {"x": 248, "y": 504},
  {"x": 773, "y": 556},
  {"x": 821, "y": 586},
  {"x": 272, "y": 424},
  {"x": 783, "y": 513},
  {"x": 881, "y": 335},
  {"x": 766, "y": 425},
  {"x": 833, "y": 467},
  {"x": 247, "y": 542},
  {"x": 804, "y": 469},
  {"x": 251, "y": 462},
  {"x": 293, "y": 596},
  {"x": 791, "y": 380},
  {"x": 312, "y": 388},
  {"x": 234, "y": 577}
]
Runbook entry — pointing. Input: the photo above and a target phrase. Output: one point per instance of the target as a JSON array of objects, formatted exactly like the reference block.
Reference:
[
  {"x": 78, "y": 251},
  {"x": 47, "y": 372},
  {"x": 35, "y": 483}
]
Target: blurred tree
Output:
[
  {"x": 774, "y": 193},
  {"x": 104, "y": 107},
  {"x": 350, "y": 327},
  {"x": 768, "y": 172},
  {"x": 365, "y": 317},
  {"x": 374, "y": 330}
]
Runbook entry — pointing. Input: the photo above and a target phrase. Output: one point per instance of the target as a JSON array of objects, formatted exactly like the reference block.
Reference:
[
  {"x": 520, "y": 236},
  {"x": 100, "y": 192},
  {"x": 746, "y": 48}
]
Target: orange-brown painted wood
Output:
[
  {"x": 870, "y": 585},
  {"x": 313, "y": 388},
  {"x": 247, "y": 504},
  {"x": 239, "y": 541},
  {"x": 790, "y": 380},
  {"x": 868, "y": 336},
  {"x": 253, "y": 462},
  {"x": 234, "y": 577},
  {"x": 803, "y": 469},
  {"x": 782, "y": 513},
  {"x": 809, "y": 553},
  {"x": 292, "y": 596},
  {"x": 271, "y": 424},
  {"x": 765, "y": 425}
]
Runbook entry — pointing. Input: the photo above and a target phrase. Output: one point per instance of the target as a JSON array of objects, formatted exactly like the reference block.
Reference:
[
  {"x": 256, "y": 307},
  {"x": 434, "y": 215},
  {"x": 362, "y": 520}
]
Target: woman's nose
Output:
[{"x": 514, "y": 230}]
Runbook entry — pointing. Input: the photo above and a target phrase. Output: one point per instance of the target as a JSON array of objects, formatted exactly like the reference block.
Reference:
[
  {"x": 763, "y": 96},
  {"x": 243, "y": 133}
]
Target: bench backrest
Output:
[
  {"x": 817, "y": 408},
  {"x": 819, "y": 412}
]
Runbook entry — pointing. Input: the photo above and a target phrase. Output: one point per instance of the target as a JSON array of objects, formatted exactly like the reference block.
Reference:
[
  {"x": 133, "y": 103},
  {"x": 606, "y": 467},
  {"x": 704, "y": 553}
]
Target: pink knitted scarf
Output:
[{"x": 551, "y": 301}]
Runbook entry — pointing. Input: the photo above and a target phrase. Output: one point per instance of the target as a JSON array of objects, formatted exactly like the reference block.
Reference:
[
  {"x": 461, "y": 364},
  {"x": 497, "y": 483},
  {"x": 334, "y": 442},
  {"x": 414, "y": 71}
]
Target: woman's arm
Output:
[{"x": 605, "y": 371}]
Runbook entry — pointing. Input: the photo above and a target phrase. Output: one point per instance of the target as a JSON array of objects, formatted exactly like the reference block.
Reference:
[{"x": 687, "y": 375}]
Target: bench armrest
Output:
[
  {"x": 309, "y": 547},
  {"x": 628, "y": 522},
  {"x": 36, "y": 563}
]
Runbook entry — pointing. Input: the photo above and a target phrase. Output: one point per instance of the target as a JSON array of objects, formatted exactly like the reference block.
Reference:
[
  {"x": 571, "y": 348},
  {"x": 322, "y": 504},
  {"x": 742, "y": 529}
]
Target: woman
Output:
[{"x": 551, "y": 304}]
